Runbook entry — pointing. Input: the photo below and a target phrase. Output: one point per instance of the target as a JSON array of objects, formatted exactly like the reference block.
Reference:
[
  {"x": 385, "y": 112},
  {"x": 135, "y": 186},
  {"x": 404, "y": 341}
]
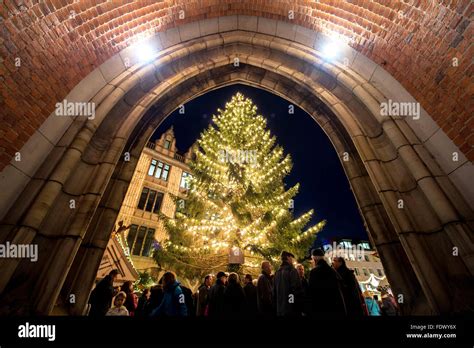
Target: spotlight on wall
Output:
[
  {"x": 330, "y": 49},
  {"x": 333, "y": 46},
  {"x": 144, "y": 52}
]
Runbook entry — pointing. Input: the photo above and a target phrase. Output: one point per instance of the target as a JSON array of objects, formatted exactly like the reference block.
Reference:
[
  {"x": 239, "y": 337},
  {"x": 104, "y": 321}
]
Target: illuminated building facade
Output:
[{"x": 161, "y": 174}]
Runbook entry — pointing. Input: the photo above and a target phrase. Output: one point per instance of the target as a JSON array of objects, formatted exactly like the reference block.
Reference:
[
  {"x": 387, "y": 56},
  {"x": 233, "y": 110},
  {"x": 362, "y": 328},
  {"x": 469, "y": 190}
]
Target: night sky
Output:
[{"x": 323, "y": 184}]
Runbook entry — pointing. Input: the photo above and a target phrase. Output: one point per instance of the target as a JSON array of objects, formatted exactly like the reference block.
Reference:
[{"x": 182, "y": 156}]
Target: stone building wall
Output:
[{"x": 129, "y": 212}]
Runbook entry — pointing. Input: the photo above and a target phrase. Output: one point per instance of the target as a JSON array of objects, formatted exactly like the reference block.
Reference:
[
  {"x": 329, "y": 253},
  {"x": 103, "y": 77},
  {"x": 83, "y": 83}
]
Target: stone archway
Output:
[{"x": 388, "y": 163}]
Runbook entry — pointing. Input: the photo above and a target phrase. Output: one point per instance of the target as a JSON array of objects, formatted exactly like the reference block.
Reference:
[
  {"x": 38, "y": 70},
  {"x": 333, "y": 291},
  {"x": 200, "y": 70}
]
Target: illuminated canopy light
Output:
[
  {"x": 333, "y": 46},
  {"x": 144, "y": 52},
  {"x": 330, "y": 49}
]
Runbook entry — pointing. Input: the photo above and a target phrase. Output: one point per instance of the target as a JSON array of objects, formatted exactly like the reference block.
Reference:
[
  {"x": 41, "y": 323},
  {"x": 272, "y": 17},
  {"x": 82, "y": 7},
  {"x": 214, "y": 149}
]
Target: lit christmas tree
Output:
[{"x": 237, "y": 201}]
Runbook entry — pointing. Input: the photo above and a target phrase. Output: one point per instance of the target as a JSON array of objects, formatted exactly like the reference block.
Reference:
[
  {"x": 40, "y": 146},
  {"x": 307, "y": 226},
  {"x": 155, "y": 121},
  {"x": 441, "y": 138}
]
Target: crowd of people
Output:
[{"x": 330, "y": 290}]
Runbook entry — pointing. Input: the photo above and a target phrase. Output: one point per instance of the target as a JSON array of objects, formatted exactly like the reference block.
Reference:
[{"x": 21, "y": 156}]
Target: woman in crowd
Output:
[
  {"x": 131, "y": 302},
  {"x": 372, "y": 305},
  {"x": 142, "y": 303},
  {"x": 234, "y": 296}
]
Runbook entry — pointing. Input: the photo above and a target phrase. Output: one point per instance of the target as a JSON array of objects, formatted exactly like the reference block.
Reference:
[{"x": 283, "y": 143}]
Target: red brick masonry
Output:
[{"x": 59, "y": 42}]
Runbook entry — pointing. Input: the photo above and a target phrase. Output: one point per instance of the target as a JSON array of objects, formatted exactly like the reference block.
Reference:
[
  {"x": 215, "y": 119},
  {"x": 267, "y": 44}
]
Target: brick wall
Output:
[{"x": 58, "y": 42}]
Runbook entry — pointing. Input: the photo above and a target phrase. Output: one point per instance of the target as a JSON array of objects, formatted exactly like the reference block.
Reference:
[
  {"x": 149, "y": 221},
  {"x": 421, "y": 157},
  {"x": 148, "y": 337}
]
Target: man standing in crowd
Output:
[
  {"x": 203, "y": 296},
  {"x": 325, "y": 288},
  {"x": 287, "y": 288},
  {"x": 216, "y": 296},
  {"x": 188, "y": 298},
  {"x": 304, "y": 282},
  {"x": 101, "y": 296},
  {"x": 156, "y": 297},
  {"x": 172, "y": 304},
  {"x": 351, "y": 289},
  {"x": 265, "y": 290},
  {"x": 250, "y": 291}
]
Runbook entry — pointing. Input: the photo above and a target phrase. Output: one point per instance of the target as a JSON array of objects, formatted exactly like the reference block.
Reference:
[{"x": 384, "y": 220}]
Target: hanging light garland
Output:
[{"x": 234, "y": 201}]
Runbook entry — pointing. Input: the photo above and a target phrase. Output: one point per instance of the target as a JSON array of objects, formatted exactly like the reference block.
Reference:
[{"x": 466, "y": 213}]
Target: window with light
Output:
[
  {"x": 140, "y": 240},
  {"x": 150, "y": 200},
  {"x": 159, "y": 170}
]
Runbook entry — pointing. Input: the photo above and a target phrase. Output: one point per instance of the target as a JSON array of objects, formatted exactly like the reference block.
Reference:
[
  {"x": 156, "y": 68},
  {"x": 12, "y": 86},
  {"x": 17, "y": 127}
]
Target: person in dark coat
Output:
[
  {"x": 202, "y": 297},
  {"x": 156, "y": 297},
  {"x": 287, "y": 288},
  {"x": 250, "y": 291},
  {"x": 101, "y": 297},
  {"x": 389, "y": 306},
  {"x": 173, "y": 303},
  {"x": 131, "y": 302},
  {"x": 325, "y": 288},
  {"x": 216, "y": 296},
  {"x": 188, "y": 298},
  {"x": 139, "y": 312},
  {"x": 265, "y": 291},
  {"x": 234, "y": 297},
  {"x": 351, "y": 289},
  {"x": 304, "y": 281},
  {"x": 306, "y": 305}
]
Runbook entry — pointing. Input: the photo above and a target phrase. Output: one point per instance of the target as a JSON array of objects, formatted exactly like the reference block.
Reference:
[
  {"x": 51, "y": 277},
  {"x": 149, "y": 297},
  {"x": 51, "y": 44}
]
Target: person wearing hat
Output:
[
  {"x": 325, "y": 288},
  {"x": 217, "y": 296},
  {"x": 287, "y": 288}
]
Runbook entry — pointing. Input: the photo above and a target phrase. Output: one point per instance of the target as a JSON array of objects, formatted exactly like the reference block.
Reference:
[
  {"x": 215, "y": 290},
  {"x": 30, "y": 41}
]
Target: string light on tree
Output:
[{"x": 236, "y": 201}]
